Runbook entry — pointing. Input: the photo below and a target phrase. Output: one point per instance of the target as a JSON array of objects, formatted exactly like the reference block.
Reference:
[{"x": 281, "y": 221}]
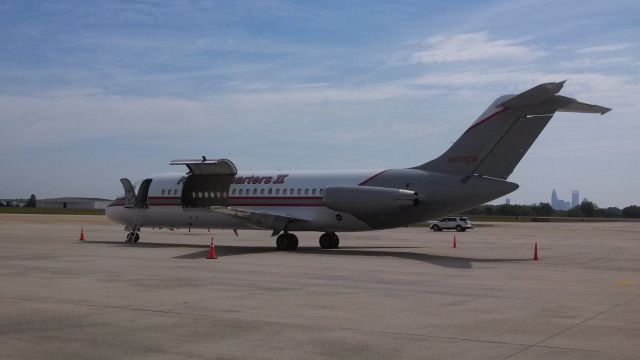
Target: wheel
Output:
[
  {"x": 459, "y": 228},
  {"x": 324, "y": 241},
  {"x": 335, "y": 241},
  {"x": 287, "y": 242},
  {"x": 281, "y": 242},
  {"x": 136, "y": 237},
  {"x": 435, "y": 228},
  {"x": 130, "y": 237},
  {"x": 292, "y": 242},
  {"x": 329, "y": 241}
]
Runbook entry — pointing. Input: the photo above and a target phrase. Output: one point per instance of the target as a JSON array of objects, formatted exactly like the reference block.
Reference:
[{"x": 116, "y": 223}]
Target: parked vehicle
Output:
[{"x": 457, "y": 223}]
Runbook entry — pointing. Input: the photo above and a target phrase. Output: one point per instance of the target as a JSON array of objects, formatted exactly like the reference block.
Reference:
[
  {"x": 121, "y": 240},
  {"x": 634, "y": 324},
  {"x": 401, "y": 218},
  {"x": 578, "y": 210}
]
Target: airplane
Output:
[{"x": 473, "y": 171}]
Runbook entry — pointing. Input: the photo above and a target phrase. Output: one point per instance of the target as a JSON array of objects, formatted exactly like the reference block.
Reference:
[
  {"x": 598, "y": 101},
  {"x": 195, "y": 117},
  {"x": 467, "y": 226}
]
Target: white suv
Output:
[{"x": 457, "y": 223}]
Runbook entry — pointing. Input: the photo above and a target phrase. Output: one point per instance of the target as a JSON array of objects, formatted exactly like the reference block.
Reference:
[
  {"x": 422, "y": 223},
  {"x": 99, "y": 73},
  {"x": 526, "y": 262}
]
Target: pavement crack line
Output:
[
  {"x": 572, "y": 327},
  {"x": 343, "y": 328}
]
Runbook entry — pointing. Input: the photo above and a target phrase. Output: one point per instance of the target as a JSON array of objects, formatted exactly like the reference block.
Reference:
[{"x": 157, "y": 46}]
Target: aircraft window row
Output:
[
  {"x": 209, "y": 194},
  {"x": 278, "y": 191},
  {"x": 169, "y": 192}
]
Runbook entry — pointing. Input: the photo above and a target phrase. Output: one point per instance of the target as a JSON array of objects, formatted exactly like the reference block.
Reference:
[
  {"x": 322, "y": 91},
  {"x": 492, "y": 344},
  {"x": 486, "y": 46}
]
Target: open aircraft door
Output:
[{"x": 207, "y": 183}]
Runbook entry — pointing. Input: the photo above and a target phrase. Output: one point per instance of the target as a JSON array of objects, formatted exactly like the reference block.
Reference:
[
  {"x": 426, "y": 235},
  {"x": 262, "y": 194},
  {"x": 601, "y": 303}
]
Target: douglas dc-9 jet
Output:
[{"x": 473, "y": 171}]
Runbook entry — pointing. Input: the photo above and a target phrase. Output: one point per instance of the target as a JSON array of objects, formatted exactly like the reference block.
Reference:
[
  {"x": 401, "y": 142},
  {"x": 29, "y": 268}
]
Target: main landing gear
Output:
[
  {"x": 329, "y": 240},
  {"x": 132, "y": 237},
  {"x": 287, "y": 241}
]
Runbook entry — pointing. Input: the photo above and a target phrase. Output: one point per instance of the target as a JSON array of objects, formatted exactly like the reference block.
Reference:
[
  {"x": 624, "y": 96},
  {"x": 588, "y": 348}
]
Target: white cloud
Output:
[
  {"x": 475, "y": 46},
  {"x": 605, "y": 48}
]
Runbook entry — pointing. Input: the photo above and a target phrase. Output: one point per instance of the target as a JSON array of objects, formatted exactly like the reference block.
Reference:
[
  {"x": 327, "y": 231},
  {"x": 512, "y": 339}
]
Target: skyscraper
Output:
[
  {"x": 575, "y": 198},
  {"x": 554, "y": 199}
]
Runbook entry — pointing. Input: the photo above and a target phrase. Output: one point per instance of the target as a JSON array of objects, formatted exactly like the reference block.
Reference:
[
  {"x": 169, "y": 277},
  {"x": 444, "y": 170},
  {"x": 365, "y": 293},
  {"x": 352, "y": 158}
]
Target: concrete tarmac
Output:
[{"x": 393, "y": 294}]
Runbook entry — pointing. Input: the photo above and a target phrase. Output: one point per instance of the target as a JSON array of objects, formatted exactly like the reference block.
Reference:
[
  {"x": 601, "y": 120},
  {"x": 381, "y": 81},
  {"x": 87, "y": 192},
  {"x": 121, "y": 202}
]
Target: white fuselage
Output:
[{"x": 288, "y": 193}]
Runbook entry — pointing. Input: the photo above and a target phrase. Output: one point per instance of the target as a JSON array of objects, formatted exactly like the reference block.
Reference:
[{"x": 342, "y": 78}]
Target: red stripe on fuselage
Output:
[
  {"x": 486, "y": 119},
  {"x": 372, "y": 177}
]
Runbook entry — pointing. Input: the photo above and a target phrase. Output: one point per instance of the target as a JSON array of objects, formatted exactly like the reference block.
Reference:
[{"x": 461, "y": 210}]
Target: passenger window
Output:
[
  {"x": 313, "y": 191},
  {"x": 193, "y": 194},
  {"x": 261, "y": 191},
  {"x": 284, "y": 191},
  {"x": 255, "y": 191},
  {"x": 292, "y": 192},
  {"x": 278, "y": 191},
  {"x": 306, "y": 191},
  {"x": 233, "y": 192},
  {"x": 321, "y": 191},
  {"x": 162, "y": 192},
  {"x": 270, "y": 191},
  {"x": 299, "y": 191},
  {"x": 175, "y": 192}
]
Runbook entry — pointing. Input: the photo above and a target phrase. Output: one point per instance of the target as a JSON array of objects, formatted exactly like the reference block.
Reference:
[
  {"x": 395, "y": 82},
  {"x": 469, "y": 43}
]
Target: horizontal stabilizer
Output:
[{"x": 580, "y": 107}]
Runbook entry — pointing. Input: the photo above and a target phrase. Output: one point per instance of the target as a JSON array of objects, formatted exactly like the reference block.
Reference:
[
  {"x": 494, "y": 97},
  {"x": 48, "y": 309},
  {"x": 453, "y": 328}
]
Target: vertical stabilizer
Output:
[{"x": 496, "y": 142}]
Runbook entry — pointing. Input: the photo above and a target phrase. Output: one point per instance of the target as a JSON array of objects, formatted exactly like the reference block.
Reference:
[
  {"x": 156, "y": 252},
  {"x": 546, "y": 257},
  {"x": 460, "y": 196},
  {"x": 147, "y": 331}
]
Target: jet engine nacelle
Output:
[{"x": 368, "y": 199}]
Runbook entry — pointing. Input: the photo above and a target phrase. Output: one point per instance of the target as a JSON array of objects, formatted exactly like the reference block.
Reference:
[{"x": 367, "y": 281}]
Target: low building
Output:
[{"x": 73, "y": 203}]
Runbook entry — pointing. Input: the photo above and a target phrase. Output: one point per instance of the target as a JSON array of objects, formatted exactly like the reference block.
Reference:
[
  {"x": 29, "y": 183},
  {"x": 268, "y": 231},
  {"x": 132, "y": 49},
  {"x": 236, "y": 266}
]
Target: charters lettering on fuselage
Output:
[
  {"x": 463, "y": 159},
  {"x": 279, "y": 179}
]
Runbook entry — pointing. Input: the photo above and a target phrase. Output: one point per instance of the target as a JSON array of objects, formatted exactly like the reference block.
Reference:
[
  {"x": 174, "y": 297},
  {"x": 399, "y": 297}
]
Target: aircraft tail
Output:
[{"x": 496, "y": 142}]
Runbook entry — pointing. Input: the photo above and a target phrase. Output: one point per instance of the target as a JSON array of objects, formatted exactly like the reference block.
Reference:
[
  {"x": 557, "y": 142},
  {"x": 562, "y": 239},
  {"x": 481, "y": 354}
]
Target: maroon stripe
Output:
[
  {"x": 267, "y": 197},
  {"x": 307, "y": 205},
  {"x": 486, "y": 119},
  {"x": 163, "y": 197},
  {"x": 372, "y": 177}
]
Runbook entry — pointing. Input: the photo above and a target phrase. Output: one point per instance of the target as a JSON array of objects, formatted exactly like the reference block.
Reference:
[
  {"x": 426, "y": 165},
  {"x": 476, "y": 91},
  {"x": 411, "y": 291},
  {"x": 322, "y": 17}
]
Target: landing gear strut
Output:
[
  {"x": 329, "y": 240},
  {"x": 287, "y": 241},
  {"x": 132, "y": 237}
]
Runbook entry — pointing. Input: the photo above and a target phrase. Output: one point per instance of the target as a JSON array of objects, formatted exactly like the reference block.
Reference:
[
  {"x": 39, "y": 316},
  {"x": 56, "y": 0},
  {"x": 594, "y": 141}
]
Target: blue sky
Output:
[{"x": 94, "y": 91}]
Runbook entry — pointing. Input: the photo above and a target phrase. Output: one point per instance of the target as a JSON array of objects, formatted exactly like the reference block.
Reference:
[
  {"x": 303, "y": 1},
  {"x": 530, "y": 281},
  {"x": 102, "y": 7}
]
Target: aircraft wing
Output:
[{"x": 270, "y": 220}]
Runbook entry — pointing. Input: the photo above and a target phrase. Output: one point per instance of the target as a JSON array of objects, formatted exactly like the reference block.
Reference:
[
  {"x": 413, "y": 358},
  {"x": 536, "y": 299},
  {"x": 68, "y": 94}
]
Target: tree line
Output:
[{"x": 586, "y": 209}]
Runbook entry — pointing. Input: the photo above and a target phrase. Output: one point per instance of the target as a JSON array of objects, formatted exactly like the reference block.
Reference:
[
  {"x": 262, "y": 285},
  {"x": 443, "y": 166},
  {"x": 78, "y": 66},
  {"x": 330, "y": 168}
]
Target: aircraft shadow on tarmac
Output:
[{"x": 233, "y": 250}]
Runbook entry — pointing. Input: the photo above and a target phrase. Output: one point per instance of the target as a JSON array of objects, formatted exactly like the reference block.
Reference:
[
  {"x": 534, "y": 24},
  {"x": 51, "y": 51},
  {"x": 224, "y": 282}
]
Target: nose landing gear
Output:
[{"x": 132, "y": 237}]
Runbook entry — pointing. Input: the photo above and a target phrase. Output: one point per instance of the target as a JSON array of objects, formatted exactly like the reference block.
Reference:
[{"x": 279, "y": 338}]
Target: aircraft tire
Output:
[
  {"x": 129, "y": 238},
  {"x": 281, "y": 242},
  {"x": 136, "y": 237},
  {"x": 292, "y": 242},
  {"x": 329, "y": 241}
]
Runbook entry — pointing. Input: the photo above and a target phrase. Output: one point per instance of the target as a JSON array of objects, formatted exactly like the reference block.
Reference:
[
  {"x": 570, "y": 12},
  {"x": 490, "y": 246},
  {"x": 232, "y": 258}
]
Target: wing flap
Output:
[{"x": 268, "y": 220}]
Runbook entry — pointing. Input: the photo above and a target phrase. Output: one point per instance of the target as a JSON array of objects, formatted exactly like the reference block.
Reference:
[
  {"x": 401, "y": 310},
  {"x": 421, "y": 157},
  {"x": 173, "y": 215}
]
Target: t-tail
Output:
[{"x": 496, "y": 142}]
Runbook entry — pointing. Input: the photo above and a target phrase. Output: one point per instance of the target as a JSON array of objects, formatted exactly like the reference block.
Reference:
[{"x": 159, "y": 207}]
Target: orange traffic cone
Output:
[
  {"x": 535, "y": 252},
  {"x": 212, "y": 250},
  {"x": 82, "y": 234},
  {"x": 454, "y": 242}
]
